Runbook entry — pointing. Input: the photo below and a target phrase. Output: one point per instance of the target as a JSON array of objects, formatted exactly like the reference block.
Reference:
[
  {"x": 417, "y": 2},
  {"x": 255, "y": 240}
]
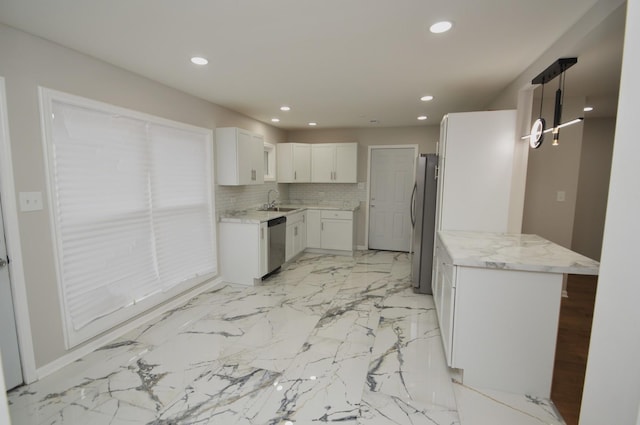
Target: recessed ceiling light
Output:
[
  {"x": 588, "y": 108},
  {"x": 422, "y": 117},
  {"x": 285, "y": 108},
  {"x": 313, "y": 124},
  {"x": 426, "y": 98},
  {"x": 440, "y": 27},
  {"x": 199, "y": 60},
  {"x": 275, "y": 119}
]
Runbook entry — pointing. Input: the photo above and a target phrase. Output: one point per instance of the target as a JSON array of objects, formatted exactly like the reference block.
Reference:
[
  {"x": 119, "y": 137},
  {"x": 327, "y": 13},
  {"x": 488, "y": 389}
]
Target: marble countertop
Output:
[
  {"x": 514, "y": 252},
  {"x": 255, "y": 216}
]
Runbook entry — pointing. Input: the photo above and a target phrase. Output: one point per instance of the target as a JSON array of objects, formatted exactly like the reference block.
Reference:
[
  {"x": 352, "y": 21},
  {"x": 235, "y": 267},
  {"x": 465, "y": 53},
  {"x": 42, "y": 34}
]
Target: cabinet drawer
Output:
[{"x": 340, "y": 215}]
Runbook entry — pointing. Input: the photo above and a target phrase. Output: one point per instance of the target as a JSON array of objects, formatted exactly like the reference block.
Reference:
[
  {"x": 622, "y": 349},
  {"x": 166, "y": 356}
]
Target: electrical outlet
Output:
[
  {"x": 30, "y": 201},
  {"x": 561, "y": 196}
]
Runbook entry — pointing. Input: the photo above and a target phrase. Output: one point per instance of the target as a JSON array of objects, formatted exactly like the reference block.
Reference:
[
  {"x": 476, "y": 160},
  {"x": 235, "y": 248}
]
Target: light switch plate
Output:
[
  {"x": 30, "y": 201},
  {"x": 561, "y": 196}
]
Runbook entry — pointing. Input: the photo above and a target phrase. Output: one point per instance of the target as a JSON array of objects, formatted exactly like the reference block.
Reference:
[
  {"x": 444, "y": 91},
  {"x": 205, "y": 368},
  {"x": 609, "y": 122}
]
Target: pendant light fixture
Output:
[{"x": 539, "y": 129}]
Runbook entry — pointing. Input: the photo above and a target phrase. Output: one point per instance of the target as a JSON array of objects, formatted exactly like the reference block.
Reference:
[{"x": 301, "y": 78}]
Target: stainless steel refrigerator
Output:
[{"x": 423, "y": 219}]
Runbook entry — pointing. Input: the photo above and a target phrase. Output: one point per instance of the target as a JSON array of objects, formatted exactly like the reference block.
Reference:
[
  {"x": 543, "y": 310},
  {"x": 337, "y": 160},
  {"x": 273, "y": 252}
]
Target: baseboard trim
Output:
[{"x": 110, "y": 336}]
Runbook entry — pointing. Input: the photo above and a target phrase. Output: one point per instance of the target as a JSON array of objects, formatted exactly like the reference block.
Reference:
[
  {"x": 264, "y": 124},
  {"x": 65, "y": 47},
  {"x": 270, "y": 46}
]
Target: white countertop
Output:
[
  {"x": 255, "y": 216},
  {"x": 514, "y": 252}
]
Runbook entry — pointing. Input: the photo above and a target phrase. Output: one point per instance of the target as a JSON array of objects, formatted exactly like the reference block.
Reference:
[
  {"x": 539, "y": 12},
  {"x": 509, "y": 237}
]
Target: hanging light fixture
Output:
[{"x": 538, "y": 130}]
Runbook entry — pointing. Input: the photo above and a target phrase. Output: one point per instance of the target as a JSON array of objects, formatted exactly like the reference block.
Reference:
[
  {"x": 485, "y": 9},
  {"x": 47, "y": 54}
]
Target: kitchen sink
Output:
[{"x": 278, "y": 209}]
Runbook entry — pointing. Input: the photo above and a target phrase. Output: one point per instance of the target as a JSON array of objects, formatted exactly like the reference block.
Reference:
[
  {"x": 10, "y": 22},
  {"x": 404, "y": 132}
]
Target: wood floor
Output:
[{"x": 576, "y": 315}]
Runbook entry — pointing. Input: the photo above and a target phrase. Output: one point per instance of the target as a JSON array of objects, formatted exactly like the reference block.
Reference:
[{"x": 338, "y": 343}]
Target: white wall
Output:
[
  {"x": 552, "y": 169},
  {"x": 612, "y": 390},
  {"x": 28, "y": 62},
  {"x": 593, "y": 186}
]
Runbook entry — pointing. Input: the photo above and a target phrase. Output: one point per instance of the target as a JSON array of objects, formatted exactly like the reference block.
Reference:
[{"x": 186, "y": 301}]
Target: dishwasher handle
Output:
[{"x": 276, "y": 221}]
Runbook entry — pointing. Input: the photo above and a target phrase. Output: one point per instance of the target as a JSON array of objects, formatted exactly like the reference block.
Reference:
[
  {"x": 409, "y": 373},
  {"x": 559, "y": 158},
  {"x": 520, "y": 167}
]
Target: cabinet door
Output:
[
  {"x": 264, "y": 249},
  {"x": 337, "y": 234},
  {"x": 245, "y": 157},
  {"x": 447, "y": 307},
  {"x": 301, "y": 163},
  {"x": 303, "y": 232},
  {"x": 313, "y": 228},
  {"x": 257, "y": 158},
  {"x": 297, "y": 238},
  {"x": 289, "y": 236},
  {"x": 346, "y": 168},
  {"x": 284, "y": 162},
  {"x": 322, "y": 163}
]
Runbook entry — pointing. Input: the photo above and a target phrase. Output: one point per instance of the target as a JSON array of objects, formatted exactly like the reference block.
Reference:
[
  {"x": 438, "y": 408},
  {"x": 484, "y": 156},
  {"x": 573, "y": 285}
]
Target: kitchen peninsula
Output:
[{"x": 498, "y": 298}]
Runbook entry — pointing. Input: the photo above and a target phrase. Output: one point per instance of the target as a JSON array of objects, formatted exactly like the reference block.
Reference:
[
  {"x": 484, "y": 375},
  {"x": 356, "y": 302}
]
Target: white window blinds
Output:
[{"x": 133, "y": 210}]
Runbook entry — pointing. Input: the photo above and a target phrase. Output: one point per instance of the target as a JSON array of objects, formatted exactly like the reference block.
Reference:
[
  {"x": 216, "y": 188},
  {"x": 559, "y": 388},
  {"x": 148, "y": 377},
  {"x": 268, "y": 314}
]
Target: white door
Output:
[
  {"x": 8, "y": 334},
  {"x": 392, "y": 178}
]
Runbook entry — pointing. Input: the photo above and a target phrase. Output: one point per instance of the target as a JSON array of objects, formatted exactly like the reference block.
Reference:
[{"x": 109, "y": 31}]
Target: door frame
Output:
[
  {"x": 14, "y": 248},
  {"x": 371, "y": 148}
]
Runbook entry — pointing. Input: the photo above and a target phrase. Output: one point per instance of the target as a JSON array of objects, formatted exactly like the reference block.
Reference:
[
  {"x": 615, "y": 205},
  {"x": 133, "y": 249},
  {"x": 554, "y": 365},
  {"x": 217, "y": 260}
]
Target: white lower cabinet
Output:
[
  {"x": 264, "y": 248},
  {"x": 330, "y": 230},
  {"x": 296, "y": 235},
  {"x": 498, "y": 325},
  {"x": 313, "y": 228},
  {"x": 244, "y": 252}
]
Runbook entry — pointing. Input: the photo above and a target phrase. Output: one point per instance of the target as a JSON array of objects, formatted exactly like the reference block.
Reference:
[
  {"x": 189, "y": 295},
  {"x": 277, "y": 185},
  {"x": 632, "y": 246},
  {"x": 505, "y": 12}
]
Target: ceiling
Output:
[{"x": 355, "y": 63}]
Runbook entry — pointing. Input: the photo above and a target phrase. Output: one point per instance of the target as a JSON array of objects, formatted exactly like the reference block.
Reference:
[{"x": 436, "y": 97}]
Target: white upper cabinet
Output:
[
  {"x": 293, "y": 162},
  {"x": 334, "y": 163},
  {"x": 475, "y": 171},
  {"x": 239, "y": 157}
]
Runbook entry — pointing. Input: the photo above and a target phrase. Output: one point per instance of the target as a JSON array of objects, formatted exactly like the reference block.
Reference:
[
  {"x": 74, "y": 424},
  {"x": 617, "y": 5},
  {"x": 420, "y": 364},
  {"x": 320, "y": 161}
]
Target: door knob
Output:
[{"x": 3, "y": 262}]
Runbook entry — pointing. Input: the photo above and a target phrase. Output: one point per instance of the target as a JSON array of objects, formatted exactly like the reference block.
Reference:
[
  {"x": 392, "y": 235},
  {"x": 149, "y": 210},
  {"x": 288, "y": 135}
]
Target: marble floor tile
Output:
[
  {"x": 382, "y": 409},
  {"x": 328, "y": 339},
  {"x": 478, "y": 406}
]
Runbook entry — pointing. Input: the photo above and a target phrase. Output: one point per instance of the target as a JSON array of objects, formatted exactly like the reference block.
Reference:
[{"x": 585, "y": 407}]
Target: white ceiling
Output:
[{"x": 341, "y": 63}]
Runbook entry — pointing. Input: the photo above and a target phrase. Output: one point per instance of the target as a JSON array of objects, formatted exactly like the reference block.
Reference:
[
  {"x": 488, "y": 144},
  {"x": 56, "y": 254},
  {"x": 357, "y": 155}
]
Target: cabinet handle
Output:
[
  {"x": 322, "y": 226},
  {"x": 295, "y": 231},
  {"x": 261, "y": 233},
  {"x": 295, "y": 175}
]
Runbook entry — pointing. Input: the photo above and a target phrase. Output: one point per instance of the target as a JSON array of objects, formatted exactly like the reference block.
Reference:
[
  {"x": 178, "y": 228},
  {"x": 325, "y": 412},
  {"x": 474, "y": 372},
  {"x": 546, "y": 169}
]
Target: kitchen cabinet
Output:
[
  {"x": 239, "y": 157},
  {"x": 497, "y": 299},
  {"x": 475, "y": 167},
  {"x": 330, "y": 230},
  {"x": 264, "y": 249},
  {"x": 313, "y": 228},
  {"x": 244, "y": 253},
  {"x": 296, "y": 235},
  {"x": 334, "y": 163},
  {"x": 293, "y": 162}
]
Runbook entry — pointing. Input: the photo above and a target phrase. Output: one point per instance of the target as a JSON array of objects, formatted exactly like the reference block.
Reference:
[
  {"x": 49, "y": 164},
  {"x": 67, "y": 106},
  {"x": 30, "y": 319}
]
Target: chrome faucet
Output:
[{"x": 271, "y": 204}]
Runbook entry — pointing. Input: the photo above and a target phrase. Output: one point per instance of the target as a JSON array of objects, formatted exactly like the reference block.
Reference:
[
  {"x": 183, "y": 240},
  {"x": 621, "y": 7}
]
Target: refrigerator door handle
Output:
[{"x": 412, "y": 206}]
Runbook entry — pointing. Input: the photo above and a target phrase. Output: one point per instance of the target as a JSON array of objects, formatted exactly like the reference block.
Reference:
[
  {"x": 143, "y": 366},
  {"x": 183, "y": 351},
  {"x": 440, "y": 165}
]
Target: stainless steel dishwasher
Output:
[{"x": 277, "y": 229}]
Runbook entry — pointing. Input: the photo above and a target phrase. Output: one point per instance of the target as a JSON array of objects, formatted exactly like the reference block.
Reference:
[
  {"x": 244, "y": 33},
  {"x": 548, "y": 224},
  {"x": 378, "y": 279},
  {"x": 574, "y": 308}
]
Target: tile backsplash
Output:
[
  {"x": 234, "y": 198},
  {"x": 320, "y": 192}
]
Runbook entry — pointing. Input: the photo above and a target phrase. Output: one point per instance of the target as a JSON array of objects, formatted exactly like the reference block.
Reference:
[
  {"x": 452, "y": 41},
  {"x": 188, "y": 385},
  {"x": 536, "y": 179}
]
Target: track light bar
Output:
[{"x": 566, "y": 124}]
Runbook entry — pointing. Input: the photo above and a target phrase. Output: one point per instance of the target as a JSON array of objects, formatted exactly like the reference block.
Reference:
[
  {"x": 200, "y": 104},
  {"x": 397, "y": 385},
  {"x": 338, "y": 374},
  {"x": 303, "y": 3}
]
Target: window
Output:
[
  {"x": 132, "y": 205},
  {"x": 269, "y": 162}
]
